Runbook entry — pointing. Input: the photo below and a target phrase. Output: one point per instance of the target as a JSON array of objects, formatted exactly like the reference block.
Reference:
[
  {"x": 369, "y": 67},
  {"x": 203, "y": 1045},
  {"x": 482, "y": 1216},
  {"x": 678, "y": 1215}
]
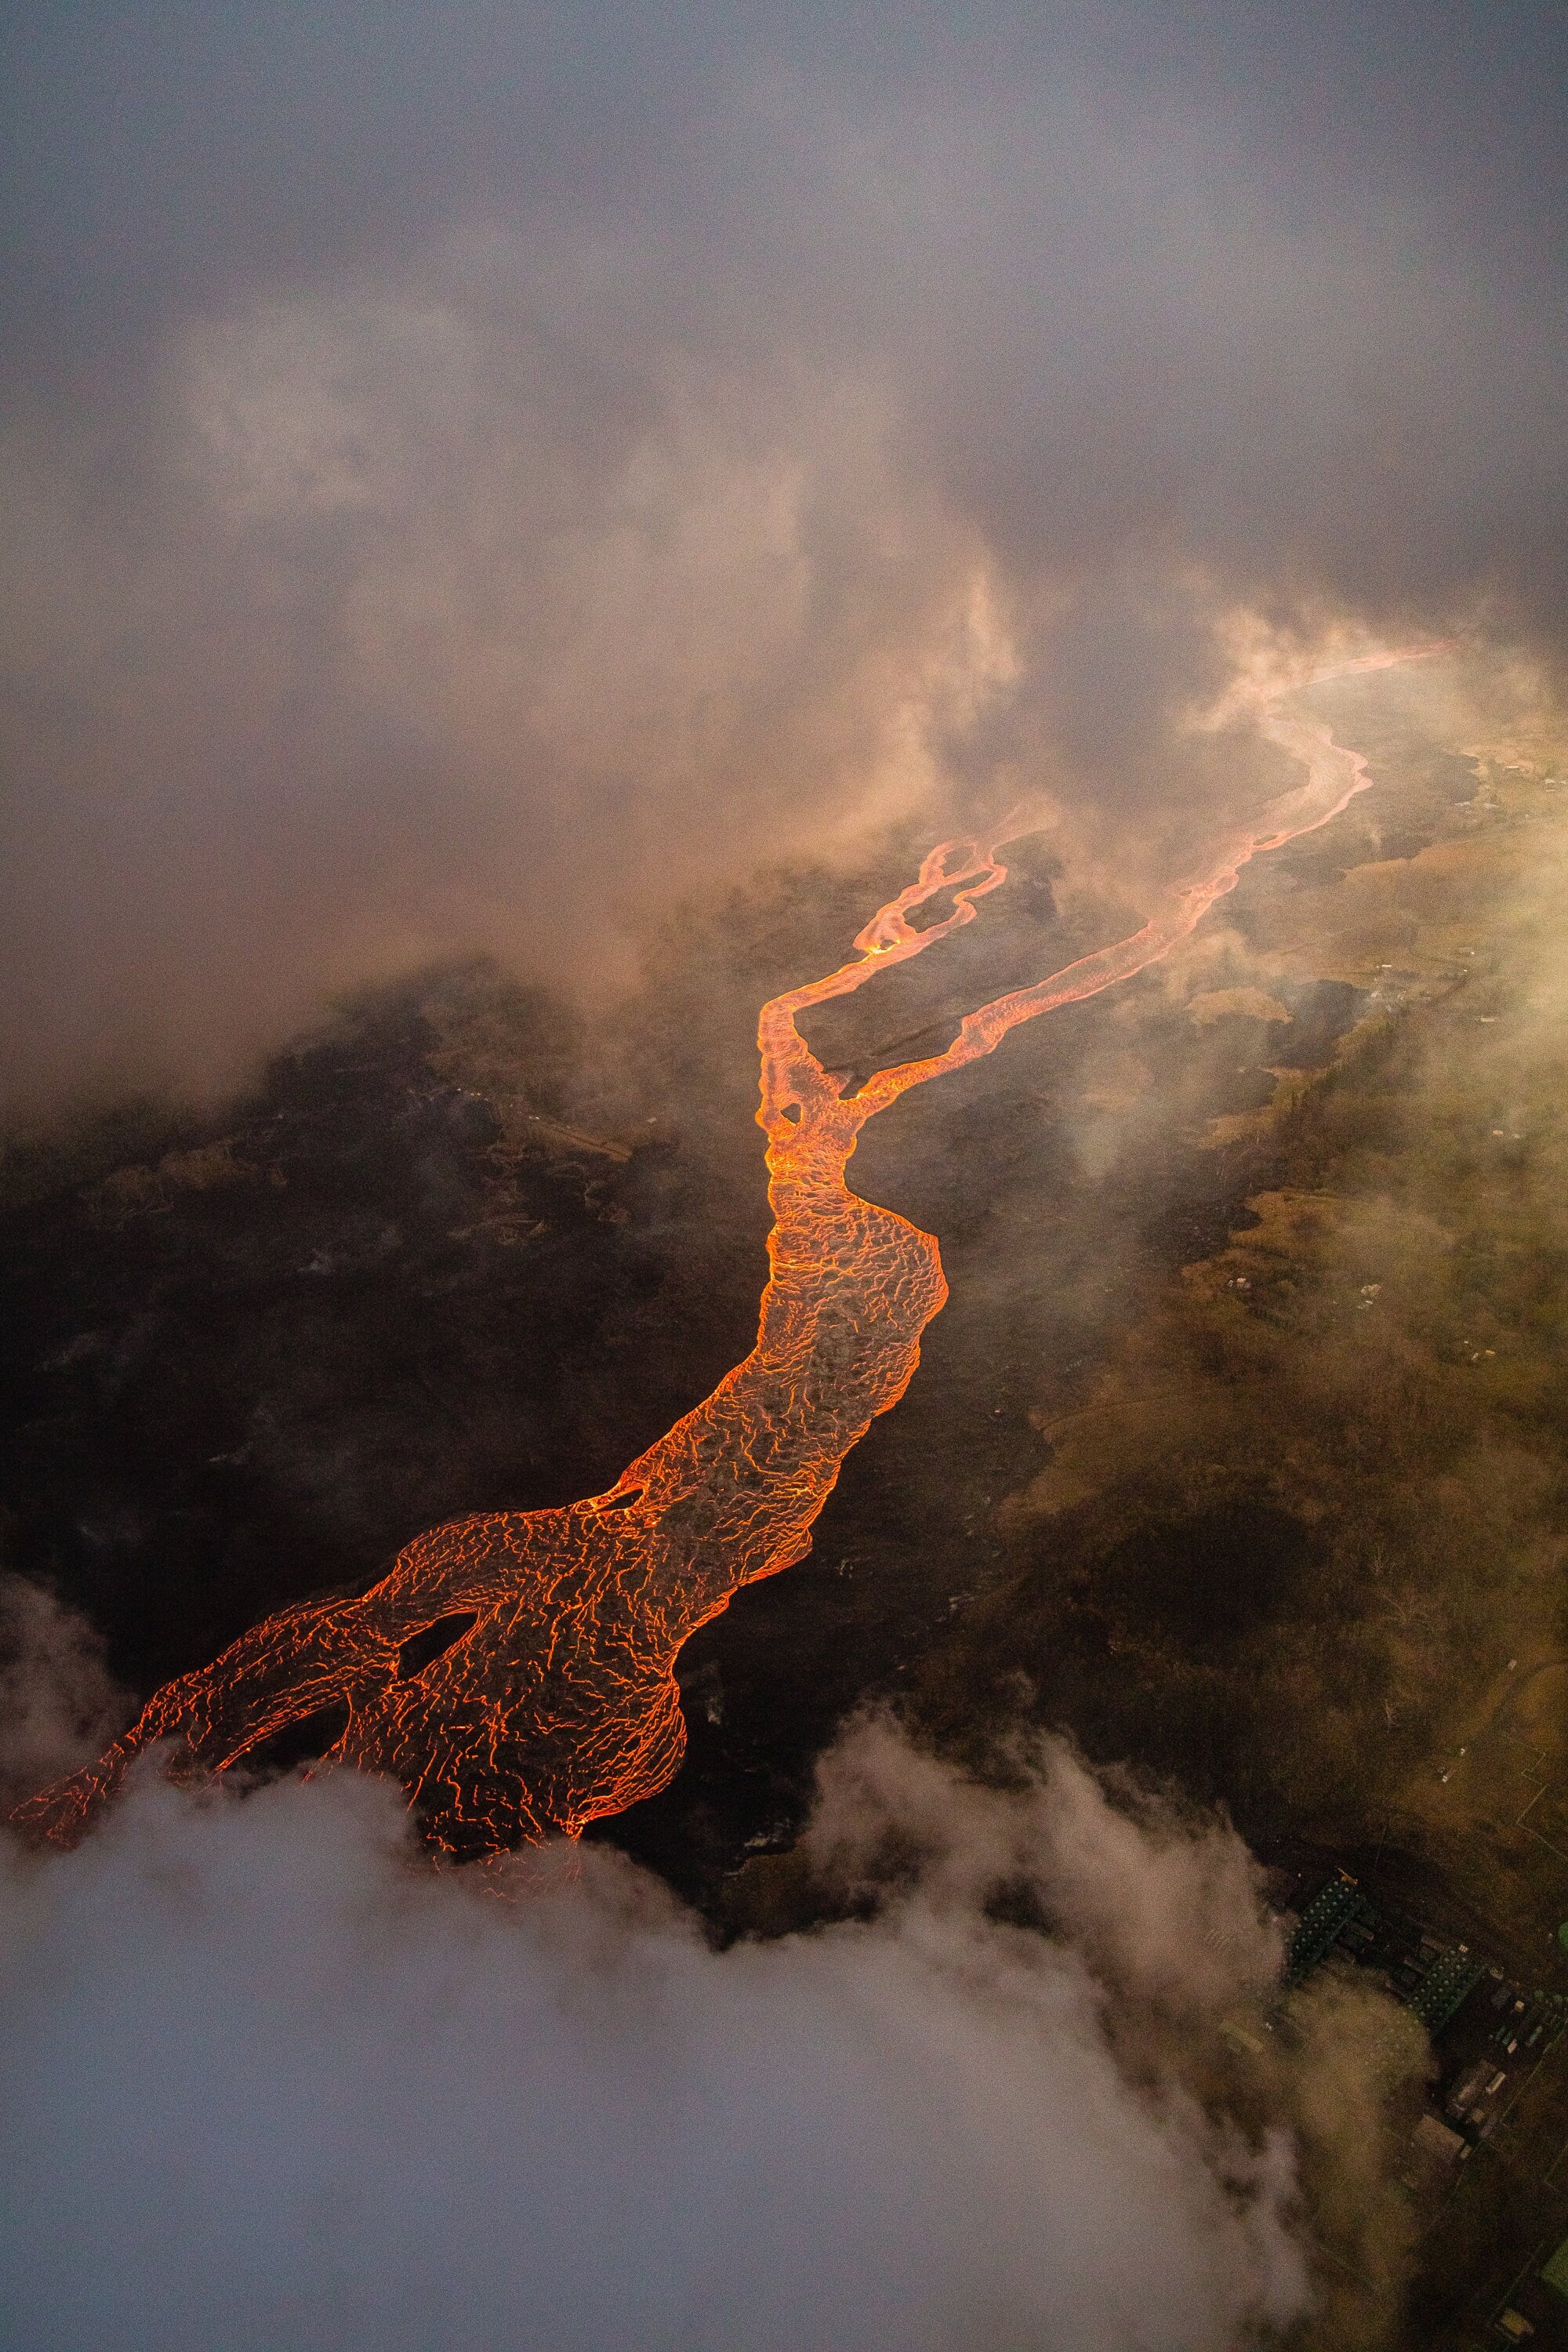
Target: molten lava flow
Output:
[{"x": 516, "y": 1670}]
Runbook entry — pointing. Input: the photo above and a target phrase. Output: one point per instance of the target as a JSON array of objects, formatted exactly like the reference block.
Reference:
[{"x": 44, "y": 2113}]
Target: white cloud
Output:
[{"x": 266, "y": 2078}]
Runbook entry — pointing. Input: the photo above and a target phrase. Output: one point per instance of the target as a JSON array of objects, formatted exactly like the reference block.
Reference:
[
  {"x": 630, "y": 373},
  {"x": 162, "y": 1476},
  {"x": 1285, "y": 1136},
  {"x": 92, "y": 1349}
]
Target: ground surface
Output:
[{"x": 1236, "y": 1452}]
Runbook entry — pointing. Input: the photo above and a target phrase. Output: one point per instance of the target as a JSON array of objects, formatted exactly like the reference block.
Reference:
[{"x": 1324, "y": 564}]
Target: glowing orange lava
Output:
[{"x": 554, "y": 1700}]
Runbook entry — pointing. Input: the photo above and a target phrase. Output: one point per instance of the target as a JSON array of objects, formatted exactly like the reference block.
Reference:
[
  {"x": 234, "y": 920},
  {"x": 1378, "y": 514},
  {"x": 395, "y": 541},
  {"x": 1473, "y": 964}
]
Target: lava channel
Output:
[{"x": 515, "y": 1671}]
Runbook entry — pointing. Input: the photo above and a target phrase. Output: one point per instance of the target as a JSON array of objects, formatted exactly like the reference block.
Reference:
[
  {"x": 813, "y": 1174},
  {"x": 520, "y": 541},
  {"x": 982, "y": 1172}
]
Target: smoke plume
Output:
[{"x": 58, "y": 1702}]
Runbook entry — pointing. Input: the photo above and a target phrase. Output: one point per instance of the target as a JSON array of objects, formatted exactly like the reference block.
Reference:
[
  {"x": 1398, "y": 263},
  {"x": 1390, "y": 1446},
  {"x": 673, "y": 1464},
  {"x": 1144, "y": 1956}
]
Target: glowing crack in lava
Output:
[{"x": 516, "y": 1670}]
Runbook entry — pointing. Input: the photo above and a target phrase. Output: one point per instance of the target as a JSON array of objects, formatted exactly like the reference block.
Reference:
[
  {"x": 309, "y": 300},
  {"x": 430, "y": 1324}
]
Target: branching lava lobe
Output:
[{"x": 516, "y": 1670}]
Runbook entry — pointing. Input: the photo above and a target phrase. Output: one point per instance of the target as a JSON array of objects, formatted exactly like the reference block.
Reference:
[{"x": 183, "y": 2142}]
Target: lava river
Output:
[{"x": 516, "y": 1670}]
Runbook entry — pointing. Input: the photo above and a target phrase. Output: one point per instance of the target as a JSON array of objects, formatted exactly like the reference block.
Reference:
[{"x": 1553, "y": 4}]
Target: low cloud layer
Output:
[
  {"x": 270, "y": 2078},
  {"x": 465, "y": 491}
]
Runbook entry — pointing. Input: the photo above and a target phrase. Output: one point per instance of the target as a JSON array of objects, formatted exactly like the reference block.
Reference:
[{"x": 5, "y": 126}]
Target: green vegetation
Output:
[{"x": 1300, "y": 1548}]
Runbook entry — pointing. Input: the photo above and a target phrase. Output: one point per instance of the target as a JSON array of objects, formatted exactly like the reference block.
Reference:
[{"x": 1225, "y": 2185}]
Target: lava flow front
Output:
[{"x": 516, "y": 1670}]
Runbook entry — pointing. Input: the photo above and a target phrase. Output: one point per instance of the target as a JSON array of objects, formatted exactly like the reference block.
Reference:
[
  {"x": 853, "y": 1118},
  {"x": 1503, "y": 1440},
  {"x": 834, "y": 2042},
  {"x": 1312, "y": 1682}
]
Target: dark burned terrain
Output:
[
  {"x": 1236, "y": 1452},
  {"x": 438, "y": 1263},
  {"x": 466, "y": 1250}
]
